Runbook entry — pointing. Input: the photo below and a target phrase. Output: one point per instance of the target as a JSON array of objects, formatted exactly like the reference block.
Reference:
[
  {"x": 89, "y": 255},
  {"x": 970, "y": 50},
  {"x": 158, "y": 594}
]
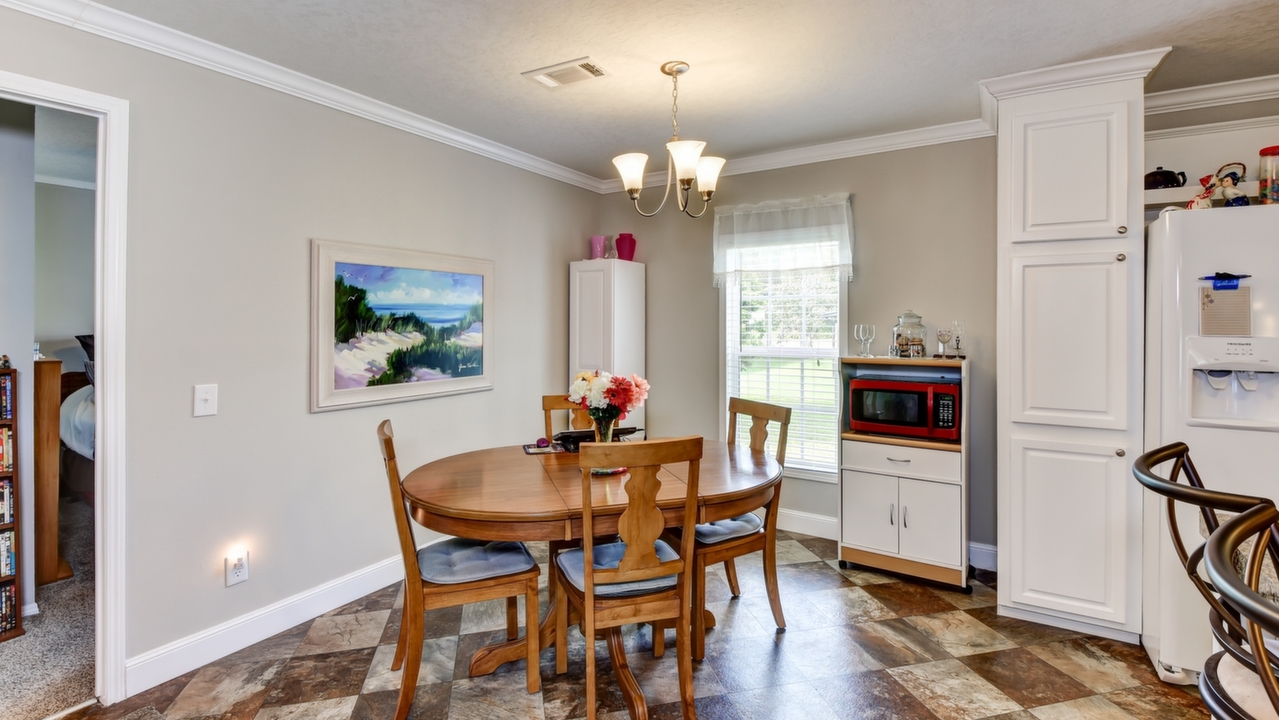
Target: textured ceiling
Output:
[{"x": 766, "y": 75}]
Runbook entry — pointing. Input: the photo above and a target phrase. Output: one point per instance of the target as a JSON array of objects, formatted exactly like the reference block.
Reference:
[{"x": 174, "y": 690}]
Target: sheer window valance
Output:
[{"x": 818, "y": 232}]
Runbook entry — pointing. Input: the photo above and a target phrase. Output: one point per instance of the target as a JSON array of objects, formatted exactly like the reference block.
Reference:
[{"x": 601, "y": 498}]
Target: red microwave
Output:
[{"x": 907, "y": 407}]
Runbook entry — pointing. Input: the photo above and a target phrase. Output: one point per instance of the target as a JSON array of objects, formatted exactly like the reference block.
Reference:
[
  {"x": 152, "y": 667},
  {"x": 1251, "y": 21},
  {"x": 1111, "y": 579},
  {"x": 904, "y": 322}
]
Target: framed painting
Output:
[{"x": 390, "y": 325}]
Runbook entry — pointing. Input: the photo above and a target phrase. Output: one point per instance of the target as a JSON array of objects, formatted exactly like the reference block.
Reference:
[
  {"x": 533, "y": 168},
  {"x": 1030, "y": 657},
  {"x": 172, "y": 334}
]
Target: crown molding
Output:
[
  {"x": 1217, "y": 94},
  {"x": 934, "y": 135},
  {"x": 1129, "y": 66},
  {"x": 1214, "y": 128},
  {"x": 131, "y": 30}
]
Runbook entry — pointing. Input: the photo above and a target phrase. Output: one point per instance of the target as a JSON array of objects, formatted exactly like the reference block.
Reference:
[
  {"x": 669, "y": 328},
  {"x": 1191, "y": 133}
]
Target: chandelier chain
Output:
[{"x": 675, "y": 106}]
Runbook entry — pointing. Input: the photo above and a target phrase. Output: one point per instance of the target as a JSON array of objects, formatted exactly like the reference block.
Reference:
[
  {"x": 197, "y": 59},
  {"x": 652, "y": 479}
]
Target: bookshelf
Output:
[{"x": 10, "y": 517}]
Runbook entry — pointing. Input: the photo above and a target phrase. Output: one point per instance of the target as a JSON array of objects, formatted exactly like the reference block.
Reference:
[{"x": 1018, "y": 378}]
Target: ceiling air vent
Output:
[{"x": 565, "y": 73}]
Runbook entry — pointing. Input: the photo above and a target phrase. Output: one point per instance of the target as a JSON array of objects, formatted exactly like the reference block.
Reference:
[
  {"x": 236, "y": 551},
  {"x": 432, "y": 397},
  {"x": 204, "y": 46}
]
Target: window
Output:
[{"x": 783, "y": 303}]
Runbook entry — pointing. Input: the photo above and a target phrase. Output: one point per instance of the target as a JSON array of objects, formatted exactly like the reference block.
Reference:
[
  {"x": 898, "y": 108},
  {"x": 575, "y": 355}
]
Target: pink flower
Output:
[{"x": 641, "y": 390}]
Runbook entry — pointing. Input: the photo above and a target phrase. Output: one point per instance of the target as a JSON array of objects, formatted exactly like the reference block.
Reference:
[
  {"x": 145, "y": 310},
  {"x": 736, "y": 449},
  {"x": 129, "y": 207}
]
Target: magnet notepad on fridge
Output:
[{"x": 1225, "y": 312}]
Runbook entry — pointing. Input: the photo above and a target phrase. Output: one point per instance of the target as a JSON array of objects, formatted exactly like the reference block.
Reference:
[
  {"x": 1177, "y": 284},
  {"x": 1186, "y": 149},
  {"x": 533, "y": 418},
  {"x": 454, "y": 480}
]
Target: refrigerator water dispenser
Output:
[{"x": 1233, "y": 382}]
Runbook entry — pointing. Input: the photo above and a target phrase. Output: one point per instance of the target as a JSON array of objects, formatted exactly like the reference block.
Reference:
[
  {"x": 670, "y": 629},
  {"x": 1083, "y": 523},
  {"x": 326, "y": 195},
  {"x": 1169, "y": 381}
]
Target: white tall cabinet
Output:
[
  {"x": 1070, "y": 310},
  {"x": 606, "y": 320}
]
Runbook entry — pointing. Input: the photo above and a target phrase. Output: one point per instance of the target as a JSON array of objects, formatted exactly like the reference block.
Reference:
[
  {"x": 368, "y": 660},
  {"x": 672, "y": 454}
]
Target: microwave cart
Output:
[{"x": 904, "y": 500}]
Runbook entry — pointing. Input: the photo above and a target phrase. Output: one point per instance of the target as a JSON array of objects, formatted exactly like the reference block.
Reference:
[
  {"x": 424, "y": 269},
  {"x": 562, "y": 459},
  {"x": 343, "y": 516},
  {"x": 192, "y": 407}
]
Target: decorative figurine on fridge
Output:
[
  {"x": 1204, "y": 199},
  {"x": 1229, "y": 184}
]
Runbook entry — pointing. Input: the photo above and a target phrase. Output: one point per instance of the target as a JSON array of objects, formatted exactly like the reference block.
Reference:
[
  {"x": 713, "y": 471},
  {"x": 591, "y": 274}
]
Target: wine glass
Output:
[
  {"x": 943, "y": 339},
  {"x": 859, "y": 334},
  {"x": 957, "y": 334},
  {"x": 868, "y": 336}
]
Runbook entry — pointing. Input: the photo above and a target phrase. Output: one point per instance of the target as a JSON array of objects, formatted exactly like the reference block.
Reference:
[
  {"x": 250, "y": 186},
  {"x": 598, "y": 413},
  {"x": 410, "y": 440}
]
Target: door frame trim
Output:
[{"x": 109, "y": 242}]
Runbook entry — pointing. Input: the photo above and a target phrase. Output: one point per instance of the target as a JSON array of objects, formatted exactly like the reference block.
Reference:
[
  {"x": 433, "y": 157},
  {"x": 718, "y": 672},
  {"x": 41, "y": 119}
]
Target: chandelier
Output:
[{"x": 685, "y": 161}]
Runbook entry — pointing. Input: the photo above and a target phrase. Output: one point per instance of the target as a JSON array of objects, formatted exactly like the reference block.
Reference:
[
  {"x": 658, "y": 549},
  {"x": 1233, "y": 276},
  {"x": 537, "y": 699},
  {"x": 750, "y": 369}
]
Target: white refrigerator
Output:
[{"x": 1218, "y": 393}]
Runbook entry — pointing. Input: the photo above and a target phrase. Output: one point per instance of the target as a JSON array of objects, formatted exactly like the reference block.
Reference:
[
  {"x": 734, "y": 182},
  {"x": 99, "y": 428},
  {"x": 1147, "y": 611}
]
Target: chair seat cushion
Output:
[
  {"x": 1244, "y": 688},
  {"x": 459, "y": 560},
  {"x": 721, "y": 530},
  {"x": 608, "y": 557}
]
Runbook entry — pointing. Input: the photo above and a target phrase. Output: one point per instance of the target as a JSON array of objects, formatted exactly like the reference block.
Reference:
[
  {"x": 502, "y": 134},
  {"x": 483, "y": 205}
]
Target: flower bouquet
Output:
[{"x": 607, "y": 398}]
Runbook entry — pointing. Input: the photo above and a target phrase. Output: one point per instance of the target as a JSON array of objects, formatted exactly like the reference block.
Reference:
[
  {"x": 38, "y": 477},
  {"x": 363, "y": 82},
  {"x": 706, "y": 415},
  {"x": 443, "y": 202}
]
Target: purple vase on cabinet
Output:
[
  {"x": 625, "y": 244},
  {"x": 597, "y": 247}
]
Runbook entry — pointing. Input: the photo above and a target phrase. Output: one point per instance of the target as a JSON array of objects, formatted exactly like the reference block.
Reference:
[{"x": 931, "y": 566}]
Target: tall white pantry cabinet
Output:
[
  {"x": 606, "y": 320},
  {"x": 1070, "y": 309}
]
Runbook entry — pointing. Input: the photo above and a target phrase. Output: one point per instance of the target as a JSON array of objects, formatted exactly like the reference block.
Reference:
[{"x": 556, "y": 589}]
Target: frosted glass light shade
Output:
[
  {"x": 631, "y": 167},
  {"x": 685, "y": 153},
  {"x": 708, "y": 173}
]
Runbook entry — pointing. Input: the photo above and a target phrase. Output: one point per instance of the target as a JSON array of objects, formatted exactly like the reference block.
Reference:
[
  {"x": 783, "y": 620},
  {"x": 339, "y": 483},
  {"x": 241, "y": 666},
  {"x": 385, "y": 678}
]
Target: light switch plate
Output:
[{"x": 205, "y": 400}]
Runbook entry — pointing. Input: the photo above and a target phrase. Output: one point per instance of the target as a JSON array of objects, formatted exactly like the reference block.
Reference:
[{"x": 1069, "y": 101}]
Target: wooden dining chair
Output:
[
  {"x": 1239, "y": 682},
  {"x": 638, "y": 579},
  {"x": 724, "y": 540},
  {"x": 578, "y": 419},
  {"x": 455, "y": 572}
]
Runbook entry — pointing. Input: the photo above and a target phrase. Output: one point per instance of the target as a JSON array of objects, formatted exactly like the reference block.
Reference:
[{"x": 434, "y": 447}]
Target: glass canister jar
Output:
[
  {"x": 1268, "y": 176},
  {"x": 908, "y": 336}
]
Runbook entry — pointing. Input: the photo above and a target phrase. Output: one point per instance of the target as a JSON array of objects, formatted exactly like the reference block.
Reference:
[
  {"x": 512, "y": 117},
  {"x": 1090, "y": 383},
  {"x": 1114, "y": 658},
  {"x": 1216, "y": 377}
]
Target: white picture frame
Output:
[{"x": 398, "y": 300}]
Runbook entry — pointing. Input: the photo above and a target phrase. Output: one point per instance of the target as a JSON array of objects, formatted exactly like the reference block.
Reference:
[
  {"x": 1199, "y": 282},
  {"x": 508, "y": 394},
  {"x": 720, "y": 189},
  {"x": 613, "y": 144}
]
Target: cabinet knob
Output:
[
  {"x": 1123, "y": 229},
  {"x": 1121, "y": 257},
  {"x": 1120, "y": 453}
]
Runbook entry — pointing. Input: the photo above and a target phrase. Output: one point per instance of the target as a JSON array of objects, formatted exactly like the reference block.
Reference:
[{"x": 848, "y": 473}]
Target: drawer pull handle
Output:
[
  {"x": 892, "y": 512},
  {"x": 893, "y": 459},
  {"x": 905, "y": 523}
]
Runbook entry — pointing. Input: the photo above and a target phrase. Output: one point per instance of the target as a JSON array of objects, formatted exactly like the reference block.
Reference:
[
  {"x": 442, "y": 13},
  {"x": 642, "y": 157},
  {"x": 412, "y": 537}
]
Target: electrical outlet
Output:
[{"x": 237, "y": 568}]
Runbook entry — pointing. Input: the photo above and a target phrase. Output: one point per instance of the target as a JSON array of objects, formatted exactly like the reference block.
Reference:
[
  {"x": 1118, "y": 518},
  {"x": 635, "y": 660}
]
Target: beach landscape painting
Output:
[{"x": 400, "y": 324}]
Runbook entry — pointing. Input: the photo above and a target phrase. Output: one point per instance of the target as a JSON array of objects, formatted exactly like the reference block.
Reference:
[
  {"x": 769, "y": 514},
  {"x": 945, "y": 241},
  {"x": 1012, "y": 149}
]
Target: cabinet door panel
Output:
[
  {"x": 590, "y": 331},
  {"x": 1070, "y": 340},
  {"x": 1068, "y": 537},
  {"x": 1072, "y": 178},
  {"x": 930, "y": 514},
  {"x": 870, "y": 511}
]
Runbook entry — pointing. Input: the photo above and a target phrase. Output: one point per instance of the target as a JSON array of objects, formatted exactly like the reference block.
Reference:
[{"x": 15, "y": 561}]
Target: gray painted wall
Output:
[
  {"x": 228, "y": 181},
  {"x": 64, "y": 272},
  {"x": 923, "y": 242},
  {"x": 17, "y": 272}
]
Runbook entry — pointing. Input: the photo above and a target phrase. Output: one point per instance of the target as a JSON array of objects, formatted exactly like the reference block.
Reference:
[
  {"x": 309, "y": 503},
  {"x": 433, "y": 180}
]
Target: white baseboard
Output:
[
  {"x": 822, "y": 526},
  {"x": 982, "y": 556},
  {"x": 164, "y": 663},
  {"x": 30, "y": 609}
]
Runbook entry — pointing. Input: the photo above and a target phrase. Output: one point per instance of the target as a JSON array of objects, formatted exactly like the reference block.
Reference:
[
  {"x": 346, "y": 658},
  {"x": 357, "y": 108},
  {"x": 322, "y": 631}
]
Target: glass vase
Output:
[{"x": 604, "y": 430}]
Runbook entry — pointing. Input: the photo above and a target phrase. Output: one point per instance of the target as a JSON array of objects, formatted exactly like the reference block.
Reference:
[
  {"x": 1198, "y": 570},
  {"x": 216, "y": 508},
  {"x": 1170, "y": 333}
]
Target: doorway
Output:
[{"x": 109, "y": 240}]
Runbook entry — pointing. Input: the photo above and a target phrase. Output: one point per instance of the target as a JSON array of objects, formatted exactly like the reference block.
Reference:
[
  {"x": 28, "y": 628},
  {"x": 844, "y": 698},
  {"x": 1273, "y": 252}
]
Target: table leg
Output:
[{"x": 490, "y": 657}]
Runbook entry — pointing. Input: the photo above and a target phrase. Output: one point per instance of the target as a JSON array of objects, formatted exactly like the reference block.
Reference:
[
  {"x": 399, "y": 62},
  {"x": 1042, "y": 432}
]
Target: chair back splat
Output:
[
  {"x": 761, "y": 414},
  {"x": 578, "y": 419}
]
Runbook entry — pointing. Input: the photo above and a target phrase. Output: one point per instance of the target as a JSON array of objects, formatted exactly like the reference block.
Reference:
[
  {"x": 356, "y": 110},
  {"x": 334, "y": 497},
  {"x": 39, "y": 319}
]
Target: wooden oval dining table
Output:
[{"x": 505, "y": 494}]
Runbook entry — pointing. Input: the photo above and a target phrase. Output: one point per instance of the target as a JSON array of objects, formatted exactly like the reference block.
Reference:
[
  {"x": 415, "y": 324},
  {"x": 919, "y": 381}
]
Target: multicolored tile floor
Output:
[{"x": 858, "y": 645}]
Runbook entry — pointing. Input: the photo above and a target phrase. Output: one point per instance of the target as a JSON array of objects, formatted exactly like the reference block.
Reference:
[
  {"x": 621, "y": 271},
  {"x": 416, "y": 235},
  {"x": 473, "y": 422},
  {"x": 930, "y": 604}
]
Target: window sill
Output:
[{"x": 830, "y": 478}]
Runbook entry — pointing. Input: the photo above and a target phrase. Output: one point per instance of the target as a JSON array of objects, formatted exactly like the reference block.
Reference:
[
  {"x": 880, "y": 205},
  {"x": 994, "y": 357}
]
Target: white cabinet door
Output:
[
  {"x": 590, "y": 322},
  {"x": 870, "y": 511},
  {"x": 929, "y": 524},
  {"x": 1071, "y": 338},
  {"x": 1070, "y": 173},
  {"x": 1069, "y": 546}
]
